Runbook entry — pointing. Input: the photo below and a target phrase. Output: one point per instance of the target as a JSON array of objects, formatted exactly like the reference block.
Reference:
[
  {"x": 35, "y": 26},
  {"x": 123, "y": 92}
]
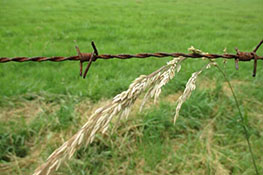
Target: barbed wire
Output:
[{"x": 92, "y": 57}]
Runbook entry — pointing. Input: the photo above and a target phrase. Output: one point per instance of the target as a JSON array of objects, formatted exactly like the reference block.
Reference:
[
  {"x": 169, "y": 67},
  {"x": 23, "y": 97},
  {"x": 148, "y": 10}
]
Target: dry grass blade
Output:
[
  {"x": 190, "y": 86},
  {"x": 99, "y": 121},
  {"x": 159, "y": 81}
]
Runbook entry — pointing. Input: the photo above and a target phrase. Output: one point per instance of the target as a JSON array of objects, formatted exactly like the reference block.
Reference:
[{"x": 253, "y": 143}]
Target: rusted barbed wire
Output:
[{"x": 92, "y": 57}]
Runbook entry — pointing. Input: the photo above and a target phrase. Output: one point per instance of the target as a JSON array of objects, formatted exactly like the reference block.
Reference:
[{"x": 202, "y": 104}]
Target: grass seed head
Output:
[
  {"x": 189, "y": 88},
  {"x": 120, "y": 105}
]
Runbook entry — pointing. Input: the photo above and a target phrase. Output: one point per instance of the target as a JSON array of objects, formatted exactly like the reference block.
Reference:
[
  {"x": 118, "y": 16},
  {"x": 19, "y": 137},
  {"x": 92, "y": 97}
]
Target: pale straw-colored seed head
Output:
[
  {"x": 194, "y": 50},
  {"x": 120, "y": 106},
  {"x": 189, "y": 88},
  {"x": 100, "y": 119},
  {"x": 162, "y": 78}
]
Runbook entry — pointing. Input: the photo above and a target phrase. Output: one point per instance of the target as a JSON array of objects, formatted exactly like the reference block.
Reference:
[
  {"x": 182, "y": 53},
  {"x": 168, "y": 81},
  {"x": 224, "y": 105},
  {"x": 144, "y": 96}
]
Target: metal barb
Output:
[
  {"x": 243, "y": 56},
  {"x": 256, "y": 58},
  {"x": 93, "y": 57},
  {"x": 236, "y": 62},
  {"x": 259, "y": 44},
  {"x": 236, "y": 59},
  {"x": 255, "y": 67},
  {"x": 86, "y": 57}
]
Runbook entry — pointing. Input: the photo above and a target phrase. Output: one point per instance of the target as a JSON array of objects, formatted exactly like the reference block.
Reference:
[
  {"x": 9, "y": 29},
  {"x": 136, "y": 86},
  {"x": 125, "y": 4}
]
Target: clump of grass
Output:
[
  {"x": 12, "y": 143},
  {"x": 13, "y": 140}
]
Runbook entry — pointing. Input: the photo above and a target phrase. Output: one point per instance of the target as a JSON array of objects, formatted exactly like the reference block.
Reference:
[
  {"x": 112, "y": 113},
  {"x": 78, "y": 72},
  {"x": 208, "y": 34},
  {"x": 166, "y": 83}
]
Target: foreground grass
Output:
[{"x": 42, "y": 104}]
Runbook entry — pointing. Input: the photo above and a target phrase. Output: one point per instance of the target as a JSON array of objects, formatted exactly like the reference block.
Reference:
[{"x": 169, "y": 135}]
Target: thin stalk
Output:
[{"x": 242, "y": 119}]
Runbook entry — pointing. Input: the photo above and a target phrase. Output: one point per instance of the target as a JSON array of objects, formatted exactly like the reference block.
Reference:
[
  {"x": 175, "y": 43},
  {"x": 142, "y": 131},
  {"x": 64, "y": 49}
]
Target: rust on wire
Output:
[{"x": 92, "y": 57}]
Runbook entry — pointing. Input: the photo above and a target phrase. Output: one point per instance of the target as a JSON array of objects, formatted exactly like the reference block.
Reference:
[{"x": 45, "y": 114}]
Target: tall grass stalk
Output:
[{"x": 244, "y": 124}]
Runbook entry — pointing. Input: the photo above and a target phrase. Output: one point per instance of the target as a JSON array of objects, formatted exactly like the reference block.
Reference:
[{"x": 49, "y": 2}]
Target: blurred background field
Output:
[{"x": 43, "y": 104}]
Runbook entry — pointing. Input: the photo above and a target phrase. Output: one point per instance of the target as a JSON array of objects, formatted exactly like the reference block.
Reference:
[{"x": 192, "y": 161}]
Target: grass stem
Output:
[{"x": 242, "y": 119}]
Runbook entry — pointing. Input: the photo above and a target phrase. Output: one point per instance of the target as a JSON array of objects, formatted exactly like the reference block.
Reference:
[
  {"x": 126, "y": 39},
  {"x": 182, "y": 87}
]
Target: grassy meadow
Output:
[{"x": 44, "y": 104}]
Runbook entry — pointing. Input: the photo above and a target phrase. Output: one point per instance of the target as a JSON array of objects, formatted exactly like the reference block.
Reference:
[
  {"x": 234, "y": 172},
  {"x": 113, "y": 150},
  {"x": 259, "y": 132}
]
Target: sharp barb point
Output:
[{"x": 255, "y": 50}]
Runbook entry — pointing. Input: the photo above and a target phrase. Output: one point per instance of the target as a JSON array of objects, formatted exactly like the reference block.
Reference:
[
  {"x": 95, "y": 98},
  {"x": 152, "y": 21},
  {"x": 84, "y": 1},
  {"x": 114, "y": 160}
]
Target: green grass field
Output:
[{"x": 44, "y": 104}]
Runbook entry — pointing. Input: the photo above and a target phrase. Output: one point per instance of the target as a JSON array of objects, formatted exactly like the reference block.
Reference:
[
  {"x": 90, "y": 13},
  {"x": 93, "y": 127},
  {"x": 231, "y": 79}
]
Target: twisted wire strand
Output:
[{"x": 125, "y": 56}]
